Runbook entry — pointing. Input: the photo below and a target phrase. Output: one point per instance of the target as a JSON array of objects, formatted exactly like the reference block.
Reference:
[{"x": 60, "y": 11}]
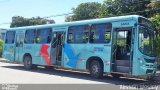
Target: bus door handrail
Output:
[
  {"x": 115, "y": 49},
  {"x": 54, "y": 42}
]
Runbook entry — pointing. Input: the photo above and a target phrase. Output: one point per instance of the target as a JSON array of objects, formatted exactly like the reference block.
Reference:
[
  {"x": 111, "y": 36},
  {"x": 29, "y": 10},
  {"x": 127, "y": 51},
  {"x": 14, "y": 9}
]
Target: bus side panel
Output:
[
  {"x": 103, "y": 51},
  {"x": 42, "y": 54},
  {"x": 8, "y": 51},
  {"x": 29, "y": 49},
  {"x": 76, "y": 55},
  {"x": 73, "y": 56}
]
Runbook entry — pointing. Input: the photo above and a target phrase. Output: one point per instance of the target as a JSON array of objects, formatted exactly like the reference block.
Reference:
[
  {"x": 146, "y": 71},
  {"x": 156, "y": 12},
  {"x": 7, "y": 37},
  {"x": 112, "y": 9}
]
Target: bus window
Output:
[
  {"x": 44, "y": 35},
  {"x": 100, "y": 33},
  {"x": 108, "y": 35},
  {"x": 10, "y": 35},
  {"x": 78, "y": 34},
  {"x": 70, "y": 37},
  {"x": 30, "y": 36}
]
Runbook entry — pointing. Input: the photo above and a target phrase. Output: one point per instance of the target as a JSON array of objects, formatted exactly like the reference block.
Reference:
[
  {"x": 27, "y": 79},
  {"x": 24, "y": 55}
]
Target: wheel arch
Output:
[
  {"x": 90, "y": 59},
  {"x": 27, "y": 54}
]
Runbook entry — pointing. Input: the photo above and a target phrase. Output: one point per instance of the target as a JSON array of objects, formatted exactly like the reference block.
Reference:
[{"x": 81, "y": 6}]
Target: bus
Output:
[{"x": 117, "y": 46}]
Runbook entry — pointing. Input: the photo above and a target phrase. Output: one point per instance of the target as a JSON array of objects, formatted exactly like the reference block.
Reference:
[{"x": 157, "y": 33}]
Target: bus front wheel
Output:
[
  {"x": 96, "y": 69},
  {"x": 28, "y": 62}
]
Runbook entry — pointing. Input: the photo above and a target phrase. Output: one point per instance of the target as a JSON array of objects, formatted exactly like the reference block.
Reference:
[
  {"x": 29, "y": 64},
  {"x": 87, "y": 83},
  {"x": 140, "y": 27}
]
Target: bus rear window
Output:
[
  {"x": 10, "y": 36},
  {"x": 100, "y": 33}
]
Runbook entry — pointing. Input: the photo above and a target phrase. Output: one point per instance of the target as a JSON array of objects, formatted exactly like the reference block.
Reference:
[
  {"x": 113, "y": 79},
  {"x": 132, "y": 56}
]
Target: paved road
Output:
[{"x": 16, "y": 74}]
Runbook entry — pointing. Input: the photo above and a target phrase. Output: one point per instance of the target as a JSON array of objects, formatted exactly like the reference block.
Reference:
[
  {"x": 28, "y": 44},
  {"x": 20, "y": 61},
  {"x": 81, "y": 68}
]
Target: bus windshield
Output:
[{"x": 147, "y": 41}]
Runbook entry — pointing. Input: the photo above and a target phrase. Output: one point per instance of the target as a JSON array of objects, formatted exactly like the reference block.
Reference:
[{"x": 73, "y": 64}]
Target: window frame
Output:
[
  {"x": 68, "y": 33},
  {"x": 106, "y": 31},
  {"x": 39, "y": 29},
  {"x": 34, "y": 36},
  {"x": 13, "y": 38}
]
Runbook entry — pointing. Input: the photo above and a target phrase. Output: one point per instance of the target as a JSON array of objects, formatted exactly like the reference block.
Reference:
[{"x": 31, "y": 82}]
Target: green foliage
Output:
[
  {"x": 156, "y": 20},
  {"x": 85, "y": 11},
  {"x": 1, "y": 46},
  {"x": 90, "y": 10},
  {"x": 123, "y": 7},
  {"x": 21, "y": 21}
]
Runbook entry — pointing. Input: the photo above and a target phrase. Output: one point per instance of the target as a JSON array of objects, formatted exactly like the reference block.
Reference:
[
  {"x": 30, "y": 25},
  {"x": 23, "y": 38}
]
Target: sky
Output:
[{"x": 34, "y": 8}]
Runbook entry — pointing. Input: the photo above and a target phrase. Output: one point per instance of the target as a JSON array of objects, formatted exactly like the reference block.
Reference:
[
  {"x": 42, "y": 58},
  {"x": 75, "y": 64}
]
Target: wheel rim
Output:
[
  {"x": 95, "y": 69},
  {"x": 28, "y": 62}
]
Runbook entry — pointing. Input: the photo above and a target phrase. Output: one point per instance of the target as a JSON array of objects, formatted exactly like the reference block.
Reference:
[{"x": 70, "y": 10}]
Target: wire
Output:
[
  {"x": 72, "y": 14},
  {"x": 44, "y": 17},
  {"x": 58, "y": 15}
]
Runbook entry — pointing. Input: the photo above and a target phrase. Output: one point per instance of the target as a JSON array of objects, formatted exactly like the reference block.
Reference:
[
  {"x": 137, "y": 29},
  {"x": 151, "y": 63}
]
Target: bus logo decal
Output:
[
  {"x": 73, "y": 58},
  {"x": 100, "y": 49},
  {"x": 44, "y": 53},
  {"x": 11, "y": 49}
]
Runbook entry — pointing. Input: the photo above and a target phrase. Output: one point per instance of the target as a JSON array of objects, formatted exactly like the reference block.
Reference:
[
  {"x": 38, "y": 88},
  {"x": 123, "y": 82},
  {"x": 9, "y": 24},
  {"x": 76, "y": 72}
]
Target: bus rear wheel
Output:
[
  {"x": 28, "y": 62},
  {"x": 96, "y": 69}
]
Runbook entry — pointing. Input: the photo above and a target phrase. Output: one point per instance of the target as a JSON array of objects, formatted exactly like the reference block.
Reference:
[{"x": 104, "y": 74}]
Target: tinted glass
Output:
[
  {"x": 100, "y": 33},
  {"x": 10, "y": 35},
  {"x": 44, "y": 35},
  {"x": 78, "y": 34}
]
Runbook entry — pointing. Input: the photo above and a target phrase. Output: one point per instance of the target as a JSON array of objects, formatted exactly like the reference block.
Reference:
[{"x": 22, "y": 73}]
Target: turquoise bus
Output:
[{"x": 123, "y": 45}]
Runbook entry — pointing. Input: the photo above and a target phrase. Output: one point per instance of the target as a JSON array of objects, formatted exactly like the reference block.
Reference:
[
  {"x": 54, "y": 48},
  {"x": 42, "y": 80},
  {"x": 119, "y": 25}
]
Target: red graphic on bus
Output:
[{"x": 44, "y": 53}]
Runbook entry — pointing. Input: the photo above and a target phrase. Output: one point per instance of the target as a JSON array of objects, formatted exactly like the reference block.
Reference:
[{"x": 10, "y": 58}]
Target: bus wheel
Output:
[
  {"x": 27, "y": 62},
  {"x": 96, "y": 69}
]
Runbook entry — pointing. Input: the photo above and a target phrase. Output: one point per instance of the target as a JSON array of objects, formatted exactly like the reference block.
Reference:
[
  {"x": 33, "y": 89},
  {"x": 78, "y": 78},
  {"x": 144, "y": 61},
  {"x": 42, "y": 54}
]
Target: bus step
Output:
[
  {"x": 123, "y": 63},
  {"x": 122, "y": 69}
]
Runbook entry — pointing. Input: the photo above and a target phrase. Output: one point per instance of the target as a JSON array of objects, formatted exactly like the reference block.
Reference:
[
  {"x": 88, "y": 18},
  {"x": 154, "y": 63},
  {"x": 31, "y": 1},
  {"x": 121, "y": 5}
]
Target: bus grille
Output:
[
  {"x": 149, "y": 71},
  {"x": 150, "y": 60}
]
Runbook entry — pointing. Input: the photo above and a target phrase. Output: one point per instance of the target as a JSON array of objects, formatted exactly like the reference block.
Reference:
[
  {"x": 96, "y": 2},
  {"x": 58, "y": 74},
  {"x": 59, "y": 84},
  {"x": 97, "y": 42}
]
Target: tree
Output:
[
  {"x": 21, "y": 21},
  {"x": 85, "y": 11},
  {"x": 156, "y": 20},
  {"x": 110, "y": 8},
  {"x": 123, "y": 7},
  {"x": 68, "y": 19}
]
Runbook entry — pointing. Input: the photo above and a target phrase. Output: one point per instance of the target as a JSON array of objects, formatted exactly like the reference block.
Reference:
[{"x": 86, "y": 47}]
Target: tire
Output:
[
  {"x": 96, "y": 69},
  {"x": 28, "y": 62}
]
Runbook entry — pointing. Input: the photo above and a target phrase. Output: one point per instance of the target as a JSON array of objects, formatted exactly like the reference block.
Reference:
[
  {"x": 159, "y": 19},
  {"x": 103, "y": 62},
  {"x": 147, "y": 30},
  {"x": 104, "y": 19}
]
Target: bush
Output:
[{"x": 1, "y": 47}]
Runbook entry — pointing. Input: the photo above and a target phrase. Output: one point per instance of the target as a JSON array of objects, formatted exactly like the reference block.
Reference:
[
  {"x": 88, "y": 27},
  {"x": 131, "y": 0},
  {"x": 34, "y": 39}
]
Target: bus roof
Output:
[{"x": 90, "y": 21}]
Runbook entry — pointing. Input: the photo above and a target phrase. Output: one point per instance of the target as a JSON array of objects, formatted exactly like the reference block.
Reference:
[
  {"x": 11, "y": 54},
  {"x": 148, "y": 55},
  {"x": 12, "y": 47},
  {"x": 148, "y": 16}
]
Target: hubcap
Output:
[
  {"x": 95, "y": 69},
  {"x": 28, "y": 62}
]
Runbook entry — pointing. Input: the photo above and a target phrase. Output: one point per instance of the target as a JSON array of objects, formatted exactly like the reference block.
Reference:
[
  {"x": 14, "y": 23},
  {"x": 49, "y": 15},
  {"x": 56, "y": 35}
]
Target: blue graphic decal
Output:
[{"x": 71, "y": 55}]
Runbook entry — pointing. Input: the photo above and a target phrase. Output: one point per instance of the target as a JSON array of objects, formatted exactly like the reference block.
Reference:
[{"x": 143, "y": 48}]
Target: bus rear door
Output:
[
  {"x": 19, "y": 46},
  {"x": 9, "y": 46},
  {"x": 57, "y": 47}
]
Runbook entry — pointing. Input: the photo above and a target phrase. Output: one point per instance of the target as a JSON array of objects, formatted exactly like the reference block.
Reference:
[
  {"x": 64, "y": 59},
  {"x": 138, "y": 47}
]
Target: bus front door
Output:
[
  {"x": 57, "y": 47},
  {"x": 121, "y": 50},
  {"x": 19, "y": 46}
]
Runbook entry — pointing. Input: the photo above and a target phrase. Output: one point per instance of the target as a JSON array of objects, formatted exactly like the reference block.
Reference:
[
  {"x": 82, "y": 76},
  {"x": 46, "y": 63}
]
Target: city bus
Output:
[{"x": 117, "y": 46}]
